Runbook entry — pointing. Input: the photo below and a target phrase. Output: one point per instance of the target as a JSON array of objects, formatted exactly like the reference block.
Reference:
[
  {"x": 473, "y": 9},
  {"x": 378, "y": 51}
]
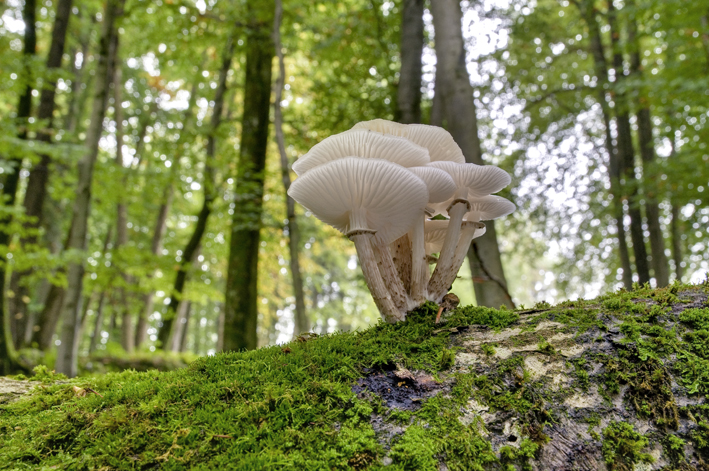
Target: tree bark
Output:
[
  {"x": 66, "y": 362},
  {"x": 659, "y": 262},
  {"x": 301, "y": 321},
  {"x": 626, "y": 154},
  {"x": 98, "y": 323},
  {"x": 411, "y": 50},
  {"x": 240, "y": 309},
  {"x": 589, "y": 12},
  {"x": 459, "y": 108},
  {"x": 188, "y": 255}
]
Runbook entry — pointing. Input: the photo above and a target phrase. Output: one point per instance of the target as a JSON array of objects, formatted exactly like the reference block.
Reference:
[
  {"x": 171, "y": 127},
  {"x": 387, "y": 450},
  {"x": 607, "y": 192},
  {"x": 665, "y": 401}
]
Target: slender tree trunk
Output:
[
  {"x": 98, "y": 323},
  {"x": 182, "y": 345},
  {"x": 67, "y": 352},
  {"x": 39, "y": 174},
  {"x": 409, "y": 90},
  {"x": 659, "y": 262},
  {"x": 141, "y": 328},
  {"x": 627, "y": 154},
  {"x": 675, "y": 229},
  {"x": 302, "y": 323},
  {"x": 460, "y": 113},
  {"x": 589, "y": 12},
  {"x": 240, "y": 309},
  {"x": 165, "y": 331},
  {"x": 12, "y": 180},
  {"x": 127, "y": 335}
]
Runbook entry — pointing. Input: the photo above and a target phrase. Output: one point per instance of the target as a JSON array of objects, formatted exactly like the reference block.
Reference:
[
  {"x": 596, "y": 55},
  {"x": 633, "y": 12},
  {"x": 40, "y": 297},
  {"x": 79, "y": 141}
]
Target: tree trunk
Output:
[
  {"x": 190, "y": 252},
  {"x": 627, "y": 154},
  {"x": 67, "y": 352},
  {"x": 660, "y": 265},
  {"x": 10, "y": 184},
  {"x": 459, "y": 108},
  {"x": 98, "y": 323},
  {"x": 589, "y": 12},
  {"x": 182, "y": 347},
  {"x": 302, "y": 323},
  {"x": 141, "y": 328},
  {"x": 411, "y": 49},
  {"x": 240, "y": 309},
  {"x": 39, "y": 174}
]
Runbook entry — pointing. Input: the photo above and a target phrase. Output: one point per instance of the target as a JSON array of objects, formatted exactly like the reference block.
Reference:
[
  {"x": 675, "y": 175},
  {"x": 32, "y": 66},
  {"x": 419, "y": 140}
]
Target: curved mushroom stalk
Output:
[
  {"x": 391, "y": 277},
  {"x": 469, "y": 231},
  {"x": 445, "y": 260},
  {"x": 419, "y": 263},
  {"x": 363, "y": 243}
]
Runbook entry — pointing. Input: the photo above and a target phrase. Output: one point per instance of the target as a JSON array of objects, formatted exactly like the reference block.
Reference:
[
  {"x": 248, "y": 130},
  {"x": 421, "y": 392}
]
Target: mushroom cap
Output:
[
  {"x": 365, "y": 144},
  {"x": 480, "y": 180},
  {"x": 440, "y": 184},
  {"x": 434, "y": 233},
  {"x": 438, "y": 141},
  {"x": 387, "y": 196},
  {"x": 488, "y": 207}
]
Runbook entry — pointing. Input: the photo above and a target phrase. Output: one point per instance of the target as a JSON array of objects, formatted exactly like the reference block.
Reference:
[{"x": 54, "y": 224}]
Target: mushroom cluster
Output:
[{"x": 380, "y": 184}]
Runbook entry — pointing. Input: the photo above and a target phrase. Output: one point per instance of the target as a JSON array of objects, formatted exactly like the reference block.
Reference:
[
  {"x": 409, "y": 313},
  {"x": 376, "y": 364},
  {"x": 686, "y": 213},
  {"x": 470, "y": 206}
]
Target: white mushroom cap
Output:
[
  {"x": 356, "y": 194},
  {"x": 438, "y": 141},
  {"x": 489, "y": 207},
  {"x": 440, "y": 184},
  {"x": 365, "y": 144},
  {"x": 434, "y": 234},
  {"x": 480, "y": 180}
]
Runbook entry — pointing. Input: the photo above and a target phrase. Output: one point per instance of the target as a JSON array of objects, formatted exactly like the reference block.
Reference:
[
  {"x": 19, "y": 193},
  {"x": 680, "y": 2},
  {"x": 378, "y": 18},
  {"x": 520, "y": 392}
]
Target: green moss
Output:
[
  {"x": 296, "y": 409},
  {"x": 488, "y": 349},
  {"x": 43, "y": 374},
  {"x": 622, "y": 447}
]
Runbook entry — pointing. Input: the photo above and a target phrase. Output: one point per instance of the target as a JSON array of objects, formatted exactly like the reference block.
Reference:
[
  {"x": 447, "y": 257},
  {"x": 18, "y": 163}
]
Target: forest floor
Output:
[{"x": 620, "y": 382}]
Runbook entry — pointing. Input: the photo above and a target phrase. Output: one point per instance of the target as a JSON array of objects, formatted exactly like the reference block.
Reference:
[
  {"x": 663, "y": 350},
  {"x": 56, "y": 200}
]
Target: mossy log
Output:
[{"x": 616, "y": 383}]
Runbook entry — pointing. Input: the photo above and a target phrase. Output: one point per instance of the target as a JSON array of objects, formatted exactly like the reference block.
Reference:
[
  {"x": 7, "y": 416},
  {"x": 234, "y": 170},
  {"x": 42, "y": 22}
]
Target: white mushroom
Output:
[
  {"x": 470, "y": 179},
  {"x": 368, "y": 200},
  {"x": 434, "y": 235},
  {"x": 438, "y": 141},
  {"x": 365, "y": 144},
  {"x": 440, "y": 187},
  {"x": 484, "y": 208}
]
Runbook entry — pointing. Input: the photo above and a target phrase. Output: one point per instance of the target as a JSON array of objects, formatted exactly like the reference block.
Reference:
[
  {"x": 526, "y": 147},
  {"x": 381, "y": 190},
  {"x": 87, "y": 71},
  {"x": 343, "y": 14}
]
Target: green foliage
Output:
[{"x": 622, "y": 447}]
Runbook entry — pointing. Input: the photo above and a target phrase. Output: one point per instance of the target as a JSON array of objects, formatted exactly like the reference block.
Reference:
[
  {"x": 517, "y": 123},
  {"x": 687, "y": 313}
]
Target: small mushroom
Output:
[
  {"x": 364, "y": 144},
  {"x": 438, "y": 141},
  {"x": 434, "y": 235},
  {"x": 370, "y": 201},
  {"x": 484, "y": 208},
  {"x": 470, "y": 179}
]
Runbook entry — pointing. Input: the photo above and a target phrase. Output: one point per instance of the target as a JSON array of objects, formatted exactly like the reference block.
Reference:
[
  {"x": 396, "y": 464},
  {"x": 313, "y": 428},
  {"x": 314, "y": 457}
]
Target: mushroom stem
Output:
[
  {"x": 419, "y": 263},
  {"x": 391, "y": 276},
  {"x": 467, "y": 234},
  {"x": 401, "y": 253},
  {"x": 437, "y": 284},
  {"x": 375, "y": 283}
]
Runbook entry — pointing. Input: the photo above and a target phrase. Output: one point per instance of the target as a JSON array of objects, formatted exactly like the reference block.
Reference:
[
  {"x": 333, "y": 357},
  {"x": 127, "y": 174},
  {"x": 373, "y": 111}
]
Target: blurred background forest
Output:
[{"x": 142, "y": 145}]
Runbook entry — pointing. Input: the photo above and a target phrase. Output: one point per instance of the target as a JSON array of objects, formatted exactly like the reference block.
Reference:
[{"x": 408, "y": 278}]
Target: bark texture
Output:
[
  {"x": 240, "y": 308},
  {"x": 409, "y": 89},
  {"x": 66, "y": 362},
  {"x": 302, "y": 323},
  {"x": 459, "y": 108}
]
